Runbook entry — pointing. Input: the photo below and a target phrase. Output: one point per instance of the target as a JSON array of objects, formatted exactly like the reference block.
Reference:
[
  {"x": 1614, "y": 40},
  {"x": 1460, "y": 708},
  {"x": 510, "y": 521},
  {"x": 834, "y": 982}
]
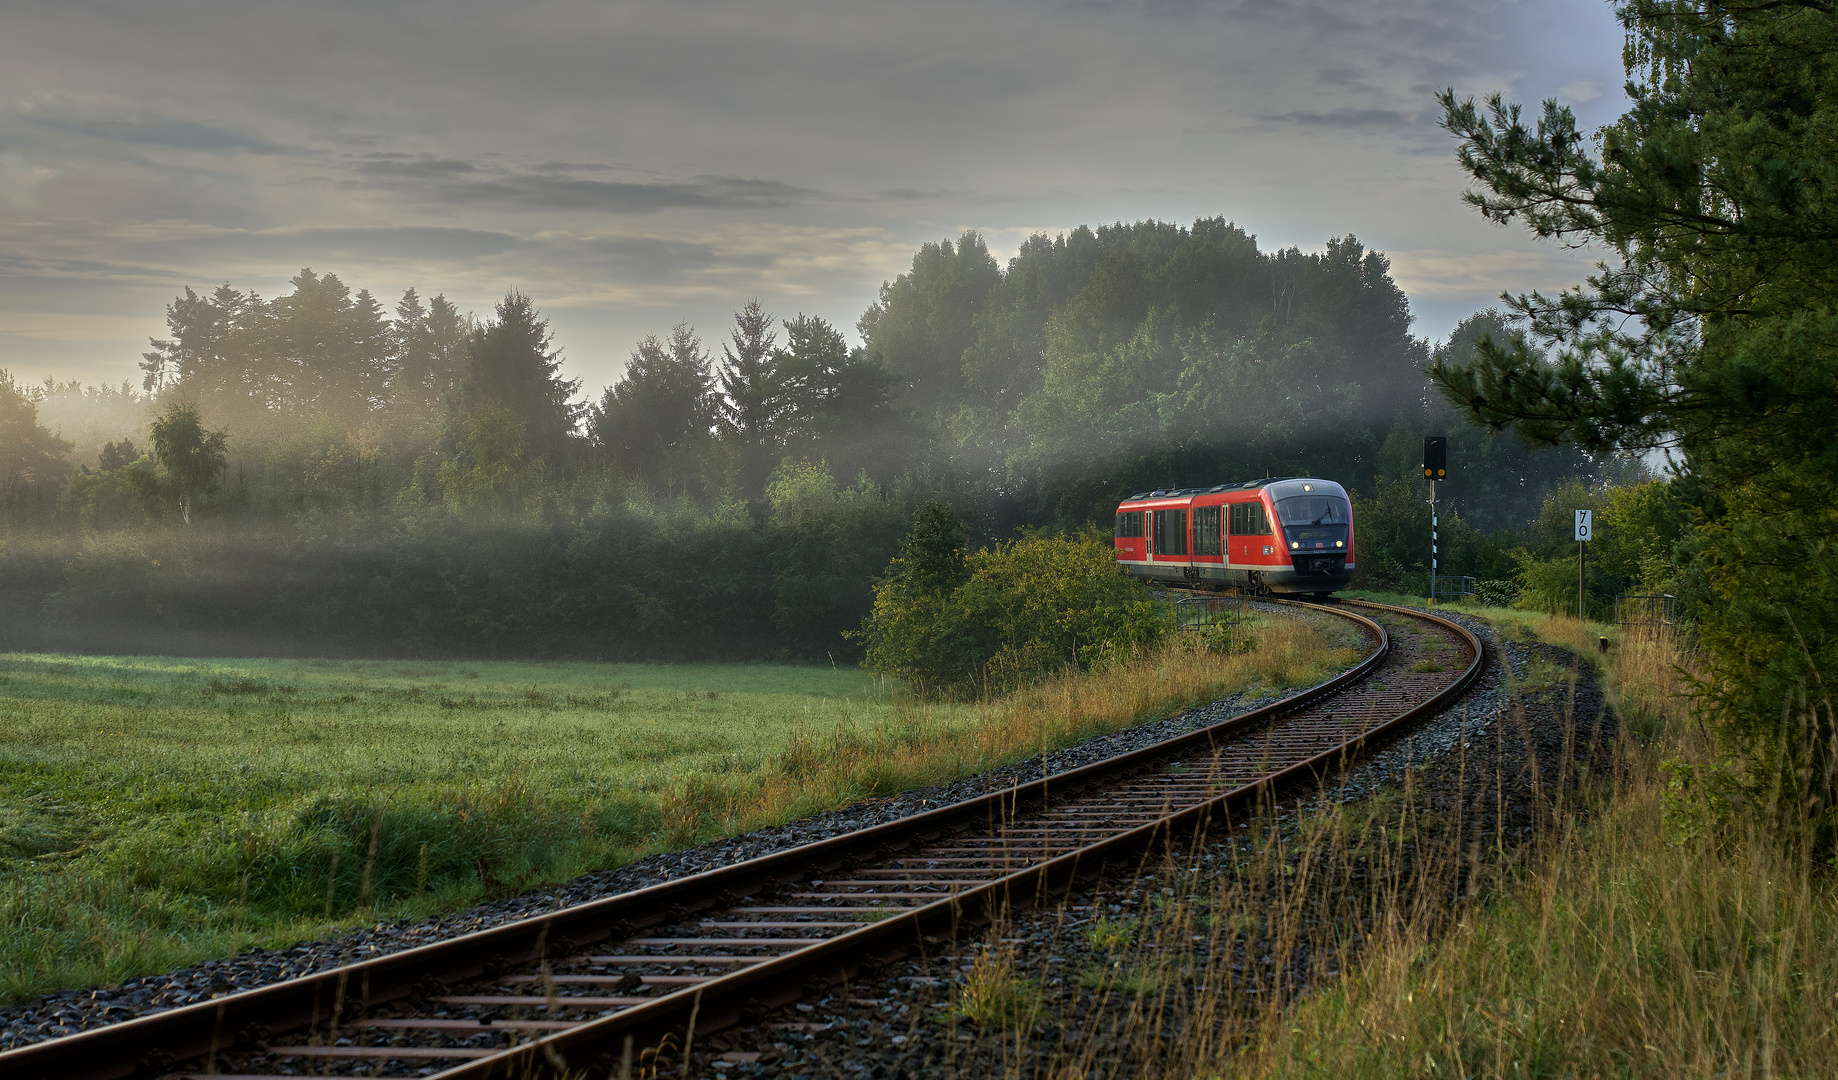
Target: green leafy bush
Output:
[
  {"x": 947, "y": 622},
  {"x": 1496, "y": 593},
  {"x": 1547, "y": 585}
]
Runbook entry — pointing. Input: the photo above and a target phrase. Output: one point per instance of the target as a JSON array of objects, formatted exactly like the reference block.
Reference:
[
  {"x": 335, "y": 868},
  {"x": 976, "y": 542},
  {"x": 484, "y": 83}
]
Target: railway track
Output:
[{"x": 603, "y": 987}]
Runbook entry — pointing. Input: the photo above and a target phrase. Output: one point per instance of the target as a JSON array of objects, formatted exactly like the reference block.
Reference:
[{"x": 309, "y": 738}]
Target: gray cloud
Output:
[
  {"x": 154, "y": 131},
  {"x": 635, "y": 164},
  {"x": 426, "y": 178},
  {"x": 1346, "y": 119}
]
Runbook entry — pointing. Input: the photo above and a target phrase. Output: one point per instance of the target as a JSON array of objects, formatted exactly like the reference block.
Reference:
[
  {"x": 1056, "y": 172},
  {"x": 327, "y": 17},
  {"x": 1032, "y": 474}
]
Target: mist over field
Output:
[{"x": 598, "y": 329}]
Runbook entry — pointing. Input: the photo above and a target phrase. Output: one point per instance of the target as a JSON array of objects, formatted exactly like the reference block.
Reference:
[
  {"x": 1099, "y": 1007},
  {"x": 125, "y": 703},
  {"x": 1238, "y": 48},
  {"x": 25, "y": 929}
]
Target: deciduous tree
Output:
[
  {"x": 190, "y": 459},
  {"x": 28, "y": 452}
]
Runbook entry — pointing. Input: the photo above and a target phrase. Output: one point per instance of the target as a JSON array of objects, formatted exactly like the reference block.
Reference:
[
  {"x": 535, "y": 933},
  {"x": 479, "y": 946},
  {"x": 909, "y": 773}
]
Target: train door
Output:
[
  {"x": 1250, "y": 532},
  {"x": 1206, "y": 538}
]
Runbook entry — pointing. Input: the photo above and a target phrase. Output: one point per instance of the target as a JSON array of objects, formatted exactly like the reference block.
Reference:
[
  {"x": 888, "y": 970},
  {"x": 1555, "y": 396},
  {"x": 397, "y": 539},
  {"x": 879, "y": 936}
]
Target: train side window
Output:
[
  {"x": 1171, "y": 532},
  {"x": 1206, "y": 530},
  {"x": 1129, "y": 524},
  {"x": 1249, "y": 519}
]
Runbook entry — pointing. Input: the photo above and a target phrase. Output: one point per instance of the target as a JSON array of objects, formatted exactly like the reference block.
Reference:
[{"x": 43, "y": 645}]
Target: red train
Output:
[{"x": 1291, "y": 534}]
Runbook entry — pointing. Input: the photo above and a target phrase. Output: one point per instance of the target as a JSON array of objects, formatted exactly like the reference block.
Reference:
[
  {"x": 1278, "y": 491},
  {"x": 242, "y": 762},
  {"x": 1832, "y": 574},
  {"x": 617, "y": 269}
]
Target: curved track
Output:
[{"x": 592, "y": 987}]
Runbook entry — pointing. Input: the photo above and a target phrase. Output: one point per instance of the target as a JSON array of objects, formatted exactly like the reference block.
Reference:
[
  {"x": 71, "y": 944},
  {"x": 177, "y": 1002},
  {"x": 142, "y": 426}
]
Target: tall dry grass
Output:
[
  {"x": 1613, "y": 943},
  {"x": 935, "y": 743},
  {"x": 1633, "y": 948}
]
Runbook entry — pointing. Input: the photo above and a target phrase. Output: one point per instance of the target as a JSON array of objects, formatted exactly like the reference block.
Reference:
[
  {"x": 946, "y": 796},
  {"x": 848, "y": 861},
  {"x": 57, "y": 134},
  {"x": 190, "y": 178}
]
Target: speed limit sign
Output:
[{"x": 1584, "y": 524}]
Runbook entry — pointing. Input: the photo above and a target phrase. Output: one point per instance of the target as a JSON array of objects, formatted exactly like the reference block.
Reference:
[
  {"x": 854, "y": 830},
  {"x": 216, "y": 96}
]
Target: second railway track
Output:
[{"x": 584, "y": 989}]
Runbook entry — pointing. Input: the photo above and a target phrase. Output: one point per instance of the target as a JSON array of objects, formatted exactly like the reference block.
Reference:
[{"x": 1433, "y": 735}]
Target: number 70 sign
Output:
[{"x": 1585, "y": 524}]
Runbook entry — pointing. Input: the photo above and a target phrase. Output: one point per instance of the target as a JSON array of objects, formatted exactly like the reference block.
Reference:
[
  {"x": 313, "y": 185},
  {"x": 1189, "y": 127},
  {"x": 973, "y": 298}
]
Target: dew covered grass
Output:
[{"x": 153, "y": 811}]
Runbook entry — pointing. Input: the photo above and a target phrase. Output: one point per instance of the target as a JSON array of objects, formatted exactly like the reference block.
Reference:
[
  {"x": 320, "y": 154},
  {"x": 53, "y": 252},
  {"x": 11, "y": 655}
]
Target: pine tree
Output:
[
  {"x": 1713, "y": 331},
  {"x": 756, "y": 394},
  {"x": 427, "y": 357},
  {"x": 510, "y": 366},
  {"x": 664, "y": 403}
]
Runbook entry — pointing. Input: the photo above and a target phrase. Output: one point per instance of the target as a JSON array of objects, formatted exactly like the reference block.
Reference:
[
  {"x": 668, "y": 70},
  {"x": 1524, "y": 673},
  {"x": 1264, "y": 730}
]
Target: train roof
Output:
[{"x": 1247, "y": 485}]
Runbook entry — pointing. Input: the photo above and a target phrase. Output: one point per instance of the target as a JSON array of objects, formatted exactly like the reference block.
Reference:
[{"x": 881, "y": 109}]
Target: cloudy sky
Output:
[{"x": 635, "y": 164}]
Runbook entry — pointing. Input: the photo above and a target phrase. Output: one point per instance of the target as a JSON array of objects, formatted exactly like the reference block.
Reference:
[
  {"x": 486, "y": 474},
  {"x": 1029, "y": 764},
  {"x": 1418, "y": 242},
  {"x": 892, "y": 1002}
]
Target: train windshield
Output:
[
  {"x": 1314, "y": 523},
  {"x": 1312, "y": 510}
]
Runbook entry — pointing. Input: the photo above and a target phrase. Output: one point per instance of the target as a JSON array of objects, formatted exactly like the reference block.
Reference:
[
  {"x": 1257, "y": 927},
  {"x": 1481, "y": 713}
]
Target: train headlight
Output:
[
  {"x": 1340, "y": 543},
  {"x": 1293, "y": 545}
]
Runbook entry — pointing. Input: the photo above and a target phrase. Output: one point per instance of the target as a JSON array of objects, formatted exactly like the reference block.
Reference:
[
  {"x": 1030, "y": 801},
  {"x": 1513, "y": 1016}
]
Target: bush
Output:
[
  {"x": 1547, "y": 585},
  {"x": 949, "y": 623},
  {"x": 1496, "y": 593}
]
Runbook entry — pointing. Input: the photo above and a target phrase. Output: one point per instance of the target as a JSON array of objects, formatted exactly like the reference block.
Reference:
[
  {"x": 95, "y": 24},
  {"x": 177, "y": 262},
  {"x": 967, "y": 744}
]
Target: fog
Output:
[{"x": 326, "y": 469}]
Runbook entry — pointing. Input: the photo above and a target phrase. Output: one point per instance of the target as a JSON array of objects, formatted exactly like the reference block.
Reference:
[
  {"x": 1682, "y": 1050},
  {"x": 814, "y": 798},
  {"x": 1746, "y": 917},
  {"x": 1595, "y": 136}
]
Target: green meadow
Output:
[{"x": 155, "y": 811}]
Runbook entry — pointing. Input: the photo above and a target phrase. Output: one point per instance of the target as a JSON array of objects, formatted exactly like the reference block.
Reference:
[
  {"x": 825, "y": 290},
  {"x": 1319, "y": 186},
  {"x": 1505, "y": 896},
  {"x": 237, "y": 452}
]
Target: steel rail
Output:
[
  {"x": 151, "y": 1045},
  {"x": 596, "y": 1047}
]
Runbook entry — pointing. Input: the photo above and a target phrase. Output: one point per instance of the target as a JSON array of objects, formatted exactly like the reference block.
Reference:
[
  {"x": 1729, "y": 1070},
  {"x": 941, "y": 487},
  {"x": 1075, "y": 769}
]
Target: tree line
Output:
[{"x": 758, "y": 483}]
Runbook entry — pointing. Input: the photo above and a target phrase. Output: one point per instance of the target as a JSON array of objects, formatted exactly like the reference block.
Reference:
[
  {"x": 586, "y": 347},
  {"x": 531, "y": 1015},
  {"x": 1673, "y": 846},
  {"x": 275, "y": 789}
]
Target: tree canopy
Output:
[
  {"x": 511, "y": 366},
  {"x": 28, "y": 452},
  {"x": 1712, "y": 331}
]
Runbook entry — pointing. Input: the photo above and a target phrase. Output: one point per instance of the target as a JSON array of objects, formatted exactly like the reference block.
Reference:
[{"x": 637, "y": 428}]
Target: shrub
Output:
[
  {"x": 949, "y": 623},
  {"x": 1496, "y": 593},
  {"x": 1547, "y": 585}
]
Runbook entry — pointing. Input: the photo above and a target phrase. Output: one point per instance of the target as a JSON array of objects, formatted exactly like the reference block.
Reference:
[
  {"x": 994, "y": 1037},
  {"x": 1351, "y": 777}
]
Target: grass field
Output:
[{"x": 154, "y": 812}]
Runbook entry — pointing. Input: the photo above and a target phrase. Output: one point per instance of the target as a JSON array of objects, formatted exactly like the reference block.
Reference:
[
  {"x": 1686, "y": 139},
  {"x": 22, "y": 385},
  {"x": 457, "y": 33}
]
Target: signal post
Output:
[{"x": 1435, "y": 467}]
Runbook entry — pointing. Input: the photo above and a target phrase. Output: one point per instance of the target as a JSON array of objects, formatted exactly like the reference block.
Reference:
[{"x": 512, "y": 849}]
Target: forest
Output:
[{"x": 310, "y": 471}]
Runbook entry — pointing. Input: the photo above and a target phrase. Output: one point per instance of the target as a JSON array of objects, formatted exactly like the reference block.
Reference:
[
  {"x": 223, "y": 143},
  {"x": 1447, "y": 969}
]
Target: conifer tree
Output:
[
  {"x": 754, "y": 384},
  {"x": 664, "y": 403},
  {"x": 1712, "y": 331},
  {"x": 510, "y": 366}
]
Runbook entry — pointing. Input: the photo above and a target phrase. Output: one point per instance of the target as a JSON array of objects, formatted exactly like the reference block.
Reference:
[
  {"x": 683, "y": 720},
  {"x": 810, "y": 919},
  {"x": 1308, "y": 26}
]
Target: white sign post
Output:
[{"x": 1585, "y": 529}]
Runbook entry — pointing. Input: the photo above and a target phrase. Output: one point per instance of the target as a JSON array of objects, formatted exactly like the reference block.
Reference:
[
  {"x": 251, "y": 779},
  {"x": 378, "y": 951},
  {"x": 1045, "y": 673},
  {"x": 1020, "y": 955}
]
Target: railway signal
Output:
[
  {"x": 1435, "y": 458},
  {"x": 1435, "y": 467}
]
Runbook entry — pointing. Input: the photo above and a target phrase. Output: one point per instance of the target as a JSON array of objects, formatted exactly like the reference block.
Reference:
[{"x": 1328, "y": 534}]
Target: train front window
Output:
[
  {"x": 1312, "y": 510},
  {"x": 1314, "y": 523}
]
